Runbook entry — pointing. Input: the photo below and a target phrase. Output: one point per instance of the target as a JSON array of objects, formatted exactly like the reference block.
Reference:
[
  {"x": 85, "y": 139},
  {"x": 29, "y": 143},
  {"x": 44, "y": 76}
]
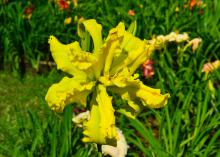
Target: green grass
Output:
[
  {"x": 28, "y": 92},
  {"x": 28, "y": 127},
  {"x": 17, "y": 97}
]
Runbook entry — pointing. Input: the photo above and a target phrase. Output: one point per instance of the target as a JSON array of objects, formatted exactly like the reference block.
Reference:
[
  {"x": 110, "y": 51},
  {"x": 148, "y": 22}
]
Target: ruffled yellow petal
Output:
[
  {"x": 111, "y": 48},
  {"x": 124, "y": 50},
  {"x": 131, "y": 88},
  {"x": 68, "y": 90},
  {"x": 70, "y": 58},
  {"x": 95, "y": 30},
  {"x": 152, "y": 97},
  {"x": 101, "y": 126},
  {"x": 133, "y": 108},
  {"x": 133, "y": 46},
  {"x": 145, "y": 53},
  {"x": 81, "y": 60},
  {"x": 120, "y": 79}
]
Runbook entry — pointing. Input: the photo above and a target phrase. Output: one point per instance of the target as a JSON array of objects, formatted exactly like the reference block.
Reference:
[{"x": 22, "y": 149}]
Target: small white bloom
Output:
[
  {"x": 161, "y": 38},
  {"x": 120, "y": 150},
  {"x": 182, "y": 37},
  {"x": 80, "y": 118},
  {"x": 171, "y": 37}
]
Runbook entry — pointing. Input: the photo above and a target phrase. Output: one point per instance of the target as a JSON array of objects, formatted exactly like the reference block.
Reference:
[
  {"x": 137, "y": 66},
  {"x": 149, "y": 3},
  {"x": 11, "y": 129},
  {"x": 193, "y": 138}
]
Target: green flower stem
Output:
[
  {"x": 99, "y": 146},
  {"x": 169, "y": 128}
]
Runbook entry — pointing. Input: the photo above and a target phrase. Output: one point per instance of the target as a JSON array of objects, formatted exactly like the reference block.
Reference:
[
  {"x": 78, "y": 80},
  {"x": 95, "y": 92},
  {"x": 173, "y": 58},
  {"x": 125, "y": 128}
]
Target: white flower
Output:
[
  {"x": 122, "y": 147},
  {"x": 80, "y": 118},
  {"x": 173, "y": 36},
  {"x": 182, "y": 37},
  {"x": 120, "y": 150}
]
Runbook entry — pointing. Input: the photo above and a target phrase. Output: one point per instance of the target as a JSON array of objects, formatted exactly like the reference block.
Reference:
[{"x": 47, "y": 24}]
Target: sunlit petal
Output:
[
  {"x": 68, "y": 90},
  {"x": 101, "y": 126}
]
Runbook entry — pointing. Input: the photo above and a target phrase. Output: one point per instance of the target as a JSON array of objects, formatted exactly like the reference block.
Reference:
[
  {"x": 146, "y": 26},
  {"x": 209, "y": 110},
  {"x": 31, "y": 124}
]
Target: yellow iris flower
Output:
[{"x": 110, "y": 67}]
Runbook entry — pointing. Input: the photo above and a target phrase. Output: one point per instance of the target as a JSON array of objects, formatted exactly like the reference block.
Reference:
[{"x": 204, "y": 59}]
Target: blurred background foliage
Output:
[
  {"x": 188, "y": 126},
  {"x": 26, "y": 25}
]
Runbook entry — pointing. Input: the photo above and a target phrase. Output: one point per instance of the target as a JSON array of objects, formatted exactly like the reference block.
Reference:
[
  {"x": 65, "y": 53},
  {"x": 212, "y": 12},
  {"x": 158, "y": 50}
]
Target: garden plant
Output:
[{"x": 110, "y": 78}]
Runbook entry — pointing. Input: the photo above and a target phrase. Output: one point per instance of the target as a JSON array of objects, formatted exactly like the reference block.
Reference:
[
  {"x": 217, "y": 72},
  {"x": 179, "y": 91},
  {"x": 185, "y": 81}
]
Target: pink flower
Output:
[
  {"x": 64, "y": 4},
  {"x": 195, "y": 43},
  {"x": 192, "y": 4},
  {"x": 211, "y": 66},
  {"x": 131, "y": 12},
  {"x": 28, "y": 12},
  {"x": 147, "y": 68}
]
